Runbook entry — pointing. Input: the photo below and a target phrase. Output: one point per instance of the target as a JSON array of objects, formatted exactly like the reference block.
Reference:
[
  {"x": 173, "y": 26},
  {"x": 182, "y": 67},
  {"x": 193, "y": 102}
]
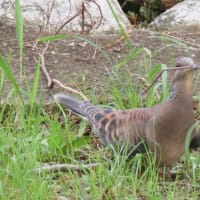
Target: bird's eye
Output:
[{"x": 178, "y": 65}]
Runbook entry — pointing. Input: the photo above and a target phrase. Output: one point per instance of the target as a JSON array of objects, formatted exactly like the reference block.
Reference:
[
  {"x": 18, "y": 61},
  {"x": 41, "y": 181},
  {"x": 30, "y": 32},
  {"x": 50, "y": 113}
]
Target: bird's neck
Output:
[{"x": 181, "y": 90}]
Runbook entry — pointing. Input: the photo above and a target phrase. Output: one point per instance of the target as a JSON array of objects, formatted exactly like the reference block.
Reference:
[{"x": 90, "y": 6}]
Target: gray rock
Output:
[
  {"x": 36, "y": 12},
  {"x": 182, "y": 15}
]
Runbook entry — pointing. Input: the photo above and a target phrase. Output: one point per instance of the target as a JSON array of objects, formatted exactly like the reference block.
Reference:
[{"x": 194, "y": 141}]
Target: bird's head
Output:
[{"x": 186, "y": 66}]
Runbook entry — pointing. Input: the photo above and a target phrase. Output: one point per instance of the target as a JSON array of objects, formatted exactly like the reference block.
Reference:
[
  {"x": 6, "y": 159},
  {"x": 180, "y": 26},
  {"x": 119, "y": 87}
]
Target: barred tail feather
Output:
[{"x": 71, "y": 103}]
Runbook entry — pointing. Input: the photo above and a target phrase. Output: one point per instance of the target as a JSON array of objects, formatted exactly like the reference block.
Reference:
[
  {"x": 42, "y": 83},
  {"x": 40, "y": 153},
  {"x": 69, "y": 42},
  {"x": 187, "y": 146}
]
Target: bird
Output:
[{"x": 161, "y": 129}]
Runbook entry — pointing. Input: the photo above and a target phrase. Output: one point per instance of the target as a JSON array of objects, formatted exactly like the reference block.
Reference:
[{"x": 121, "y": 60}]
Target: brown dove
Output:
[{"x": 162, "y": 129}]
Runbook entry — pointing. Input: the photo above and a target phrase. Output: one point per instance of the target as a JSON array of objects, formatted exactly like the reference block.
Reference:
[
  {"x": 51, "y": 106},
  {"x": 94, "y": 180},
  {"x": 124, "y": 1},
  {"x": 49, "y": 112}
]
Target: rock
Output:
[
  {"x": 49, "y": 15},
  {"x": 183, "y": 15}
]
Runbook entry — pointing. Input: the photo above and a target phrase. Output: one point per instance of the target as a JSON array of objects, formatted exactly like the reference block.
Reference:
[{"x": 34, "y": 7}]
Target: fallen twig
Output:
[
  {"x": 70, "y": 89},
  {"x": 82, "y": 10},
  {"x": 50, "y": 81},
  {"x": 46, "y": 73},
  {"x": 113, "y": 43},
  {"x": 145, "y": 82},
  {"x": 64, "y": 167}
]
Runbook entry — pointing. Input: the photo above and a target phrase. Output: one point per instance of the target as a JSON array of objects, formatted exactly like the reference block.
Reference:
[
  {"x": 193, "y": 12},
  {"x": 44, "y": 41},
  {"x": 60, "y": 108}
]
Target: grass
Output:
[{"x": 31, "y": 137}]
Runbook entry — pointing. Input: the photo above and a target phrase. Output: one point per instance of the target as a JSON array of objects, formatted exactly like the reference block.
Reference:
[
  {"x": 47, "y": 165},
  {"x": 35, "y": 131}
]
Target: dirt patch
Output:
[{"x": 72, "y": 62}]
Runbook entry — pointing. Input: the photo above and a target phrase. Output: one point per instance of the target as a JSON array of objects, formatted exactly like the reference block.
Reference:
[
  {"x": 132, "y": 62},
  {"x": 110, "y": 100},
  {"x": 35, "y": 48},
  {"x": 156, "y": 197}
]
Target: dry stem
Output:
[
  {"x": 160, "y": 73},
  {"x": 82, "y": 10},
  {"x": 64, "y": 167},
  {"x": 69, "y": 89}
]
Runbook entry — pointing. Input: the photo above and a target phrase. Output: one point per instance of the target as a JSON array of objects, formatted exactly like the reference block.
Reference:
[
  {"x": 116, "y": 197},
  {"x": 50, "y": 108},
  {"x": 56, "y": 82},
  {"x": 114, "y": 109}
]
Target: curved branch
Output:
[{"x": 160, "y": 73}]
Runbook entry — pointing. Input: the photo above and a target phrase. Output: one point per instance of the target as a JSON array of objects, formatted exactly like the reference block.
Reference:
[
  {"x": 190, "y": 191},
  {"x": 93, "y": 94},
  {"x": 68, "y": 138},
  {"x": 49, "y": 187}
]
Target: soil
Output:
[{"x": 75, "y": 63}]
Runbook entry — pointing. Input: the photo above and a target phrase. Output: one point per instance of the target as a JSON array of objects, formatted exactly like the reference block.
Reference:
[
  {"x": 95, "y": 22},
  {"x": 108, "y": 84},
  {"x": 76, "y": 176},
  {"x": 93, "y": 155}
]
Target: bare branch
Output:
[
  {"x": 101, "y": 14},
  {"x": 47, "y": 14},
  {"x": 113, "y": 43},
  {"x": 69, "y": 89},
  {"x": 67, "y": 21},
  {"x": 46, "y": 73},
  {"x": 50, "y": 81},
  {"x": 160, "y": 73},
  {"x": 65, "y": 167}
]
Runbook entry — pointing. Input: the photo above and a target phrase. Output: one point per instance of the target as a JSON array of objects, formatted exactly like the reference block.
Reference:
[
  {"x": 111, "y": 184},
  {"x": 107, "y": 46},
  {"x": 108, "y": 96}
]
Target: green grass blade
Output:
[
  {"x": 154, "y": 72},
  {"x": 35, "y": 85},
  {"x": 152, "y": 95},
  {"x": 165, "y": 88},
  {"x": 2, "y": 81},
  {"x": 132, "y": 55},
  {"x": 168, "y": 38},
  {"x": 96, "y": 47},
  {"x": 19, "y": 32},
  {"x": 52, "y": 38},
  {"x": 122, "y": 30},
  {"x": 187, "y": 145},
  {"x": 6, "y": 68}
]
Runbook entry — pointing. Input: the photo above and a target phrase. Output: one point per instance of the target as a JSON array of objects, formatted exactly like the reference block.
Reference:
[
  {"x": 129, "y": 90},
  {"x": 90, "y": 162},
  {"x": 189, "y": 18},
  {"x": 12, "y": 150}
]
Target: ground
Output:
[{"x": 73, "y": 62}]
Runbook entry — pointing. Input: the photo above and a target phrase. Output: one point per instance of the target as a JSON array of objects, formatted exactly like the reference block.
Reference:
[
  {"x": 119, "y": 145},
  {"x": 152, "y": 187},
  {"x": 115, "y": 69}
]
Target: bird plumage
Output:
[{"x": 162, "y": 128}]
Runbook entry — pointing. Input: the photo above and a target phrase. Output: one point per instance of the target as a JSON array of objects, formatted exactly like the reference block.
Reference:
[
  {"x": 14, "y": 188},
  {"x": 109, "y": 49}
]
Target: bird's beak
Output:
[{"x": 194, "y": 67}]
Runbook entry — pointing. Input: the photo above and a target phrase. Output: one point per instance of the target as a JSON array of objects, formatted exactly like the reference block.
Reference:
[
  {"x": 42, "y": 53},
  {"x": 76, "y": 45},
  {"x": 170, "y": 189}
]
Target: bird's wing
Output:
[{"x": 114, "y": 126}]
